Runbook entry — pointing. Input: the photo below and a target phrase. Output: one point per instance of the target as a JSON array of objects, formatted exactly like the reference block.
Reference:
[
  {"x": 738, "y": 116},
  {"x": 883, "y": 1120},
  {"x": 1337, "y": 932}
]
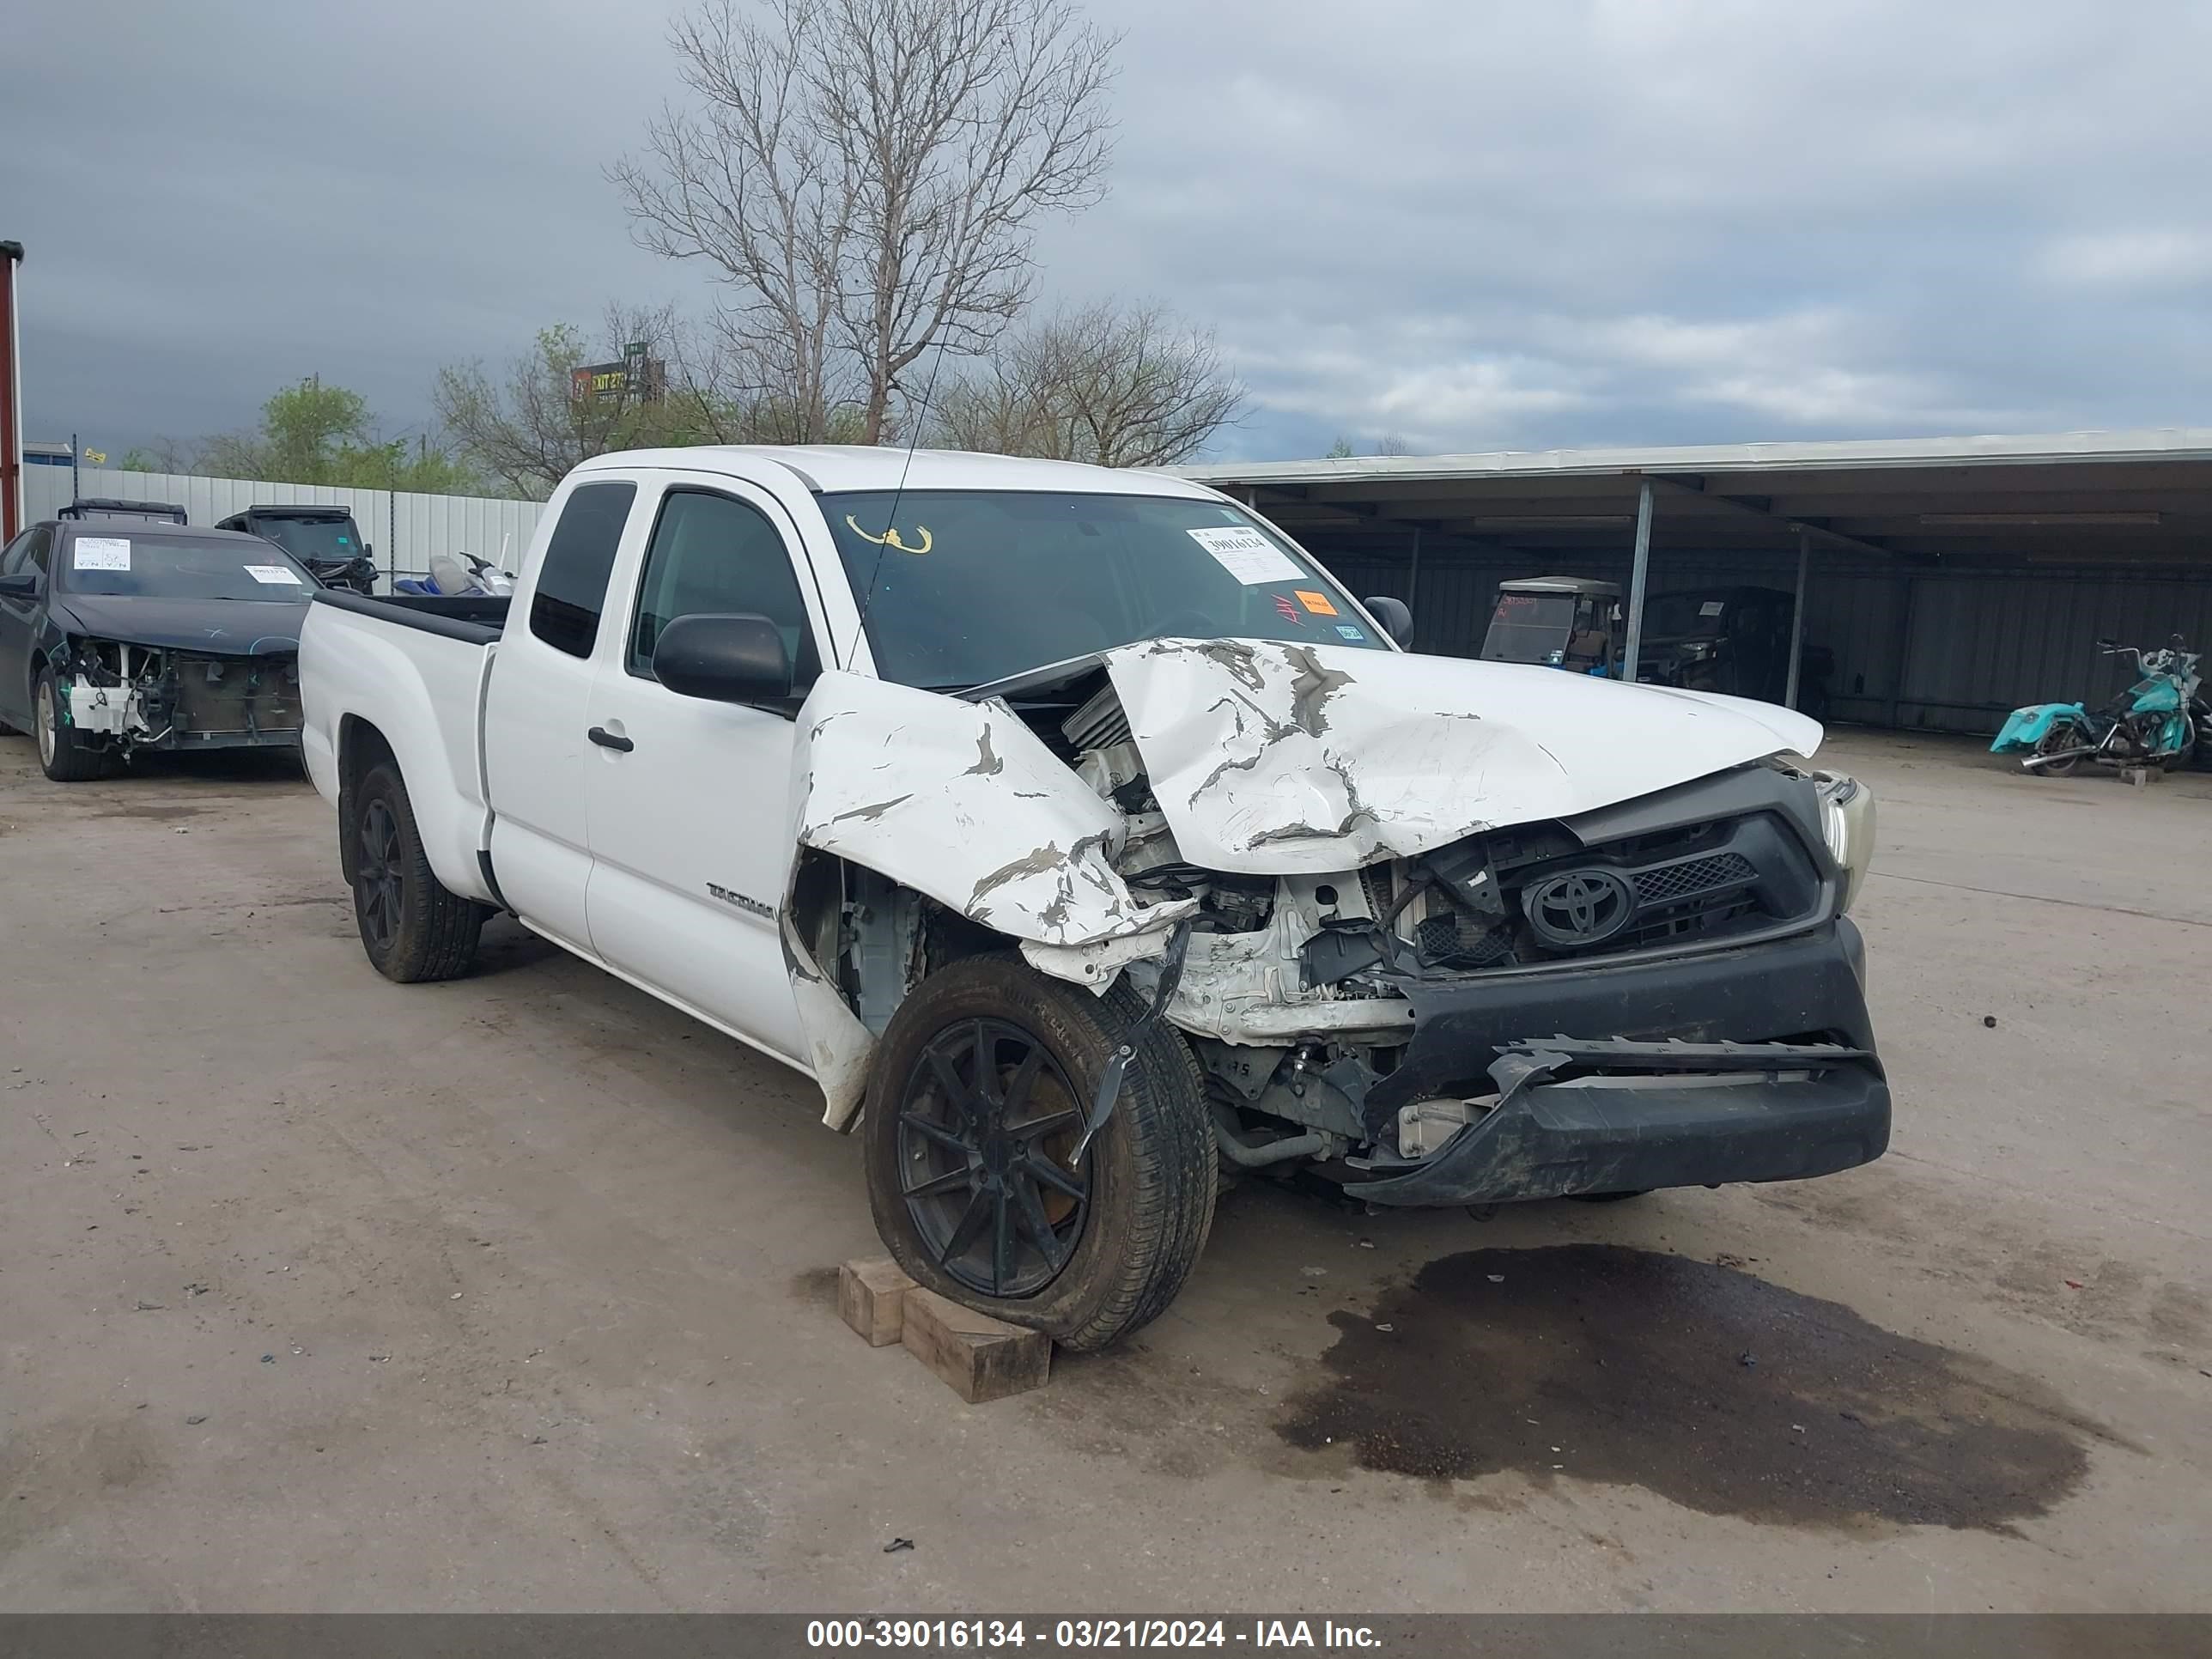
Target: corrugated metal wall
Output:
[
  {"x": 405, "y": 528},
  {"x": 1949, "y": 650}
]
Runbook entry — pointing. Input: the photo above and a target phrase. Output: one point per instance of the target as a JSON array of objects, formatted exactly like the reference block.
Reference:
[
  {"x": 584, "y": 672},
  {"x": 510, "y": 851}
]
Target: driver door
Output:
[
  {"x": 689, "y": 800},
  {"x": 27, "y": 555}
]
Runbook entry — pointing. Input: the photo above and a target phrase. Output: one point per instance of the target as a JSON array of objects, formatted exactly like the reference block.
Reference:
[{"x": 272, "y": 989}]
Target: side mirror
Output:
[
  {"x": 366, "y": 551},
  {"x": 1397, "y": 621},
  {"x": 723, "y": 658},
  {"x": 22, "y": 585}
]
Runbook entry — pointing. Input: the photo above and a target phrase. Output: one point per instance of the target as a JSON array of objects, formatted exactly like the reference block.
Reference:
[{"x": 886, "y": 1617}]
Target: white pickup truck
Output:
[{"x": 1089, "y": 845}]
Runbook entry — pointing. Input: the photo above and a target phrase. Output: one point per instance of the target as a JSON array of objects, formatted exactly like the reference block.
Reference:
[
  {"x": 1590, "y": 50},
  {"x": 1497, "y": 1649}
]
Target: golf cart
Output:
[{"x": 1558, "y": 621}]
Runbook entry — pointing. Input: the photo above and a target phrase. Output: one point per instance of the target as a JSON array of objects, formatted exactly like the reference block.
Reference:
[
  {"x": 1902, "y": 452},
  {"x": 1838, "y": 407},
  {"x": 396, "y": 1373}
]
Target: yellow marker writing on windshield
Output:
[{"x": 890, "y": 538}]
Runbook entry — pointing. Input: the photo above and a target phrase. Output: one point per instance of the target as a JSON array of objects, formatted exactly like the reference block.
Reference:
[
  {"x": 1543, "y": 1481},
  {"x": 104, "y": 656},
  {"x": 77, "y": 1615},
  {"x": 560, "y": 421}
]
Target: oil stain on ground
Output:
[{"x": 1714, "y": 1388}]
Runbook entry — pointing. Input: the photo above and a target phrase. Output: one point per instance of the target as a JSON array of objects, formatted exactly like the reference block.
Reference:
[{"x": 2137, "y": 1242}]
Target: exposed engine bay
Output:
[
  {"x": 130, "y": 697},
  {"x": 1382, "y": 898}
]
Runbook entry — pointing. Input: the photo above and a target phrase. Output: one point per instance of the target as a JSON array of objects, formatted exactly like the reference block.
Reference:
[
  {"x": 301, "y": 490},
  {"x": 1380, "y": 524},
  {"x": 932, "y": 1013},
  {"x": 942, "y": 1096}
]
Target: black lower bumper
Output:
[{"x": 1776, "y": 1081}]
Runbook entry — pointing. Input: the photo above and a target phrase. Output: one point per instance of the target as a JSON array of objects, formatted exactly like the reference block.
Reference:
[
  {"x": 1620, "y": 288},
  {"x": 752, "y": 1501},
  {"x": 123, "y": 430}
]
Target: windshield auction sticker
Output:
[
  {"x": 101, "y": 553},
  {"x": 1247, "y": 555},
  {"x": 271, "y": 573}
]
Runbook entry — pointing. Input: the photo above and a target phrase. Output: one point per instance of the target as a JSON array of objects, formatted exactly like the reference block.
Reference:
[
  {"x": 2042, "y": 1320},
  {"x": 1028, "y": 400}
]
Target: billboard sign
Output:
[{"x": 636, "y": 376}]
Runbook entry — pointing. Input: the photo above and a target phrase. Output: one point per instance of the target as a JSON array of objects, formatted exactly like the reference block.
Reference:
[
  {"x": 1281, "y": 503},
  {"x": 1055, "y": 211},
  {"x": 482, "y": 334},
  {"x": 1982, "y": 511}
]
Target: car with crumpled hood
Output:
[
  {"x": 119, "y": 637},
  {"x": 1091, "y": 847}
]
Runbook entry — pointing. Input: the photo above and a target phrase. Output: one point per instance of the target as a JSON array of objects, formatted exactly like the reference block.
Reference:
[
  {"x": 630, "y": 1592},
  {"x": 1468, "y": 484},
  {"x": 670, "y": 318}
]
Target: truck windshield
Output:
[
  {"x": 968, "y": 586},
  {"x": 154, "y": 567},
  {"x": 1667, "y": 616},
  {"x": 329, "y": 540}
]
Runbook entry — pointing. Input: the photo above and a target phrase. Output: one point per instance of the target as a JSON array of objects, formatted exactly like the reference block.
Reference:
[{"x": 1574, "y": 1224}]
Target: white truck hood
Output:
[
  {"x": 1267, "y": 758},
  {"x": 1271, "y": 758}
]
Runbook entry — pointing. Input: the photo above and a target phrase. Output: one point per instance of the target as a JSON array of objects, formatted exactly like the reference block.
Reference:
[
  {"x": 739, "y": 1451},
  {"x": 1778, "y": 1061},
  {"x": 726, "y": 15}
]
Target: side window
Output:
[
  {"x": 13, "y": 555},
  {"x": 572, "y": 582},
  {"x": 714, "y": 554},
  {"x": 29, "y": 553},
  {"x": 41, "y": 550}
]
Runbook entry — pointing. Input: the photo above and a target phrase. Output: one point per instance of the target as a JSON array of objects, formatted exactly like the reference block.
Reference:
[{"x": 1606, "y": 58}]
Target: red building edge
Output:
[{"x": 11, "y": 397}]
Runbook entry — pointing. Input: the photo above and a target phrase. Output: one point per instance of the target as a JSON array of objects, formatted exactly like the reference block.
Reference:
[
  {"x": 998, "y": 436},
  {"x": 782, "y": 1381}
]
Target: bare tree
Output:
[
  {"x": 1134, "y": 387},
  {"x": 529, "y": 427},
  {"x": 864, "y": 174}
]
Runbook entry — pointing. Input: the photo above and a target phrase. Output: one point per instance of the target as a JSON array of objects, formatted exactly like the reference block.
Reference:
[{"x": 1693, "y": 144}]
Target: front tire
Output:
[
  {"x": 63, "y": 755},
  {"x": 976, "y": 1100},
  {"x": 413, "y": 927}
]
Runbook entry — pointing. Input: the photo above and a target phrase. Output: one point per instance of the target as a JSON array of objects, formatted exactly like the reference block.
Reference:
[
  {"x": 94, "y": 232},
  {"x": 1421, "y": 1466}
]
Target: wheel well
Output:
[
  {"x": 361, "y": 746},
  {"x": 873, "y": 938}
]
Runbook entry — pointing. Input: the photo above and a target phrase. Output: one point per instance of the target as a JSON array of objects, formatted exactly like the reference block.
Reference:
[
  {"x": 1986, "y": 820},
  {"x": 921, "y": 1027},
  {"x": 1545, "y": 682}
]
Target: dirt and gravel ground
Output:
[{"x": 317, "y": 1292}]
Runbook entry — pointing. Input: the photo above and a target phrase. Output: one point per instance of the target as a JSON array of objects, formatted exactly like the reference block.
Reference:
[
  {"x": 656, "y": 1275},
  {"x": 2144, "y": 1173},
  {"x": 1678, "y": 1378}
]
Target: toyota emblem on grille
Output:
[{"x": 1580, "y": 907}]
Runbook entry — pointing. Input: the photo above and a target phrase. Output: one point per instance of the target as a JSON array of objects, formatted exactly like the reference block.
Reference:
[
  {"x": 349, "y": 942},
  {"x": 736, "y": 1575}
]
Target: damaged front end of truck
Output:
[
  {"x": 1451, "y": 933},
  {"x": 121, "y": 697}
]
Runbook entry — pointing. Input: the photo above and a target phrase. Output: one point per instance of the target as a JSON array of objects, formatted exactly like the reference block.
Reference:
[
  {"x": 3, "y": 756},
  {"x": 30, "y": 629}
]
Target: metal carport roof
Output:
[
  {"x": 2136, "y": 497},
  {"x": 1953, "y": 578}
]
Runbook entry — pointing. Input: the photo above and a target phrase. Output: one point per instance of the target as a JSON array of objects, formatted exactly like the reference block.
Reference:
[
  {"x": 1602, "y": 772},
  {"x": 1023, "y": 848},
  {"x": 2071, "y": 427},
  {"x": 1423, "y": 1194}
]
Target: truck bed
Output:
[
  {"x": 475, "y": 620},
  {"x": 414, "y": 669}
]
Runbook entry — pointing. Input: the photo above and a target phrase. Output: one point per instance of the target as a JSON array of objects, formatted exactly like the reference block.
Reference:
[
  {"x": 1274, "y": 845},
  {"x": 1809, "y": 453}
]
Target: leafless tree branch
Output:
[
  {"x": 863, "y": 177},
  {"x": 1120, "y": 387}
]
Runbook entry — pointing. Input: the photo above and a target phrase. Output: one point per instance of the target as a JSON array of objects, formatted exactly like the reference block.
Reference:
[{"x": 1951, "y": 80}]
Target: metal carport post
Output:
[
  {"x": 1797, "y": 615},
  {"x": 1636, "y": 583}
]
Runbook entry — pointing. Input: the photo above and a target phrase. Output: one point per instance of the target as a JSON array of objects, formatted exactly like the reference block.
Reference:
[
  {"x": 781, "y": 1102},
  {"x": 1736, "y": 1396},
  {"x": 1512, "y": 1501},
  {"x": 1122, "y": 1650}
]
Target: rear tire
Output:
[
  {"x": 1122, "y": 1249},
  {"x": 2063, "y": 734},
  {"x": 413, "y": 927},
  {"x": 63, "y": 755}
]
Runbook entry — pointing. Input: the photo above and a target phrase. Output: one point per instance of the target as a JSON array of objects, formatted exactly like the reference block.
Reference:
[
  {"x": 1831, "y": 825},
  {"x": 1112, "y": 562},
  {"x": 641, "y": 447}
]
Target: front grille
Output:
[
  {"x": 1695, "y": 884},
  {"x": 233, "y": 696},
  {"x": 1671, "y": 881}
]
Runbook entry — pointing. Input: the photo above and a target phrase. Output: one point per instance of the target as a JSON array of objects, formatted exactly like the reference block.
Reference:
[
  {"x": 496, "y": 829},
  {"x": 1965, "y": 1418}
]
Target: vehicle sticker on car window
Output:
[
  {"x": 271, "y": 573},
  {"x": 102, "y": 553},
  {"x": 1317, "y": 602},
  {"x": 924, "y": 541},
  {"x": 1351, "y": 631},
  {"x": 1247, "y": 555},
  {"x": 1712, "y": 607}
]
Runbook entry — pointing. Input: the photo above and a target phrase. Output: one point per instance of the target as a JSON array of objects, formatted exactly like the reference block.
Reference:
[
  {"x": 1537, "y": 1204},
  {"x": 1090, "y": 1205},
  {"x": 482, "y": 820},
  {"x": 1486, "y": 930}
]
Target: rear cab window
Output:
[{"x": 570, "y": 594}]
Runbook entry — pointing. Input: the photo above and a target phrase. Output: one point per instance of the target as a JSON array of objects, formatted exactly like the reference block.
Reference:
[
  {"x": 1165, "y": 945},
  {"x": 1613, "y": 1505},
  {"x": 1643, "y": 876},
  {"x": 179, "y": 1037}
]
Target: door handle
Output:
[{"x": 606, "y": 739}]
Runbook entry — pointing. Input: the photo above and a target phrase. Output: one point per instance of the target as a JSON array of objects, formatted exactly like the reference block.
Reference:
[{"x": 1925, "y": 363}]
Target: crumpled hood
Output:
[
  {"x": 1271, "y": 758},
  {"x": 216, "y": 627}
]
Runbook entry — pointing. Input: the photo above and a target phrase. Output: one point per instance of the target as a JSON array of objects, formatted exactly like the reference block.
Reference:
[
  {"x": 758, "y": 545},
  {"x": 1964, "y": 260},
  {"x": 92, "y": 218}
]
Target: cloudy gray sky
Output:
[{"x": 1469, "y": 224}]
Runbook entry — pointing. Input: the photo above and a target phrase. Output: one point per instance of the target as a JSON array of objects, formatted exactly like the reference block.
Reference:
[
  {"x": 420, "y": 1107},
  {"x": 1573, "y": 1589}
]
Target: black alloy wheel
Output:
[
  {"x": 988, "y": 1127},
  {"x": 377, "y": 875}
]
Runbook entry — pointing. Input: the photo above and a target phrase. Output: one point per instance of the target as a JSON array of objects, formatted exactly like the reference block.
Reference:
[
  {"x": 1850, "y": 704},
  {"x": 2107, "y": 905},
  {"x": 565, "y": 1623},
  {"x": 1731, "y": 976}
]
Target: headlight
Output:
[{"x": 1847, "y": 825}]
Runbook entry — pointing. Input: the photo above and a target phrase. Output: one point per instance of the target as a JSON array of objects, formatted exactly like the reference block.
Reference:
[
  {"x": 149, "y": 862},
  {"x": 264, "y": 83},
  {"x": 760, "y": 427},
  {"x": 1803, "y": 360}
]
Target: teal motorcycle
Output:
[{"x": 2153, "y": 723}]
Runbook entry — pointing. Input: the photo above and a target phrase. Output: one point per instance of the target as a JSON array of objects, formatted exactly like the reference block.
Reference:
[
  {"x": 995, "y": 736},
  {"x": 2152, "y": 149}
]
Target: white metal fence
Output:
[{"x": 403, "y": 528}]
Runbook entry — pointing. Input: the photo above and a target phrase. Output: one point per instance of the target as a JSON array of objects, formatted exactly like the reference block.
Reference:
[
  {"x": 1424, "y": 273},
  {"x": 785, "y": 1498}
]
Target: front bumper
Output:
[{"x": 1751, "y": 1065}]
